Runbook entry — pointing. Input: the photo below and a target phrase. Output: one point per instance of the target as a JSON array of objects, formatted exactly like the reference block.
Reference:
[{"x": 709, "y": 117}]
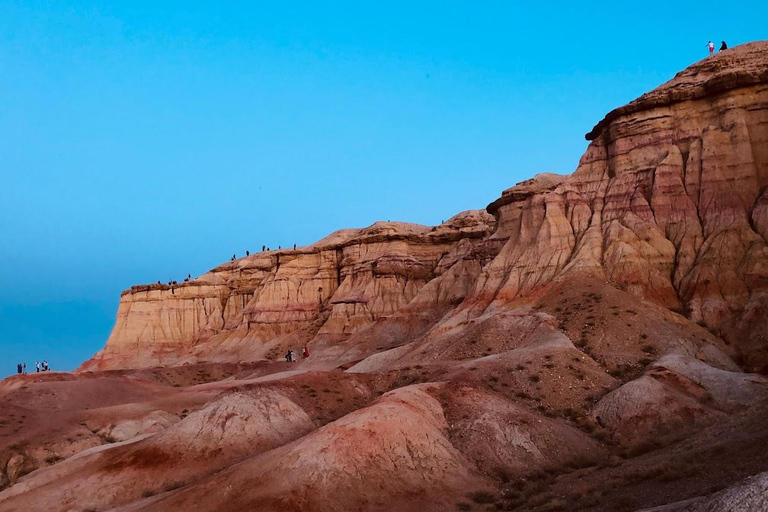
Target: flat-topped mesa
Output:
[
  {"x": 668, "y": 202},
  {"x": 246, "y": 309}
]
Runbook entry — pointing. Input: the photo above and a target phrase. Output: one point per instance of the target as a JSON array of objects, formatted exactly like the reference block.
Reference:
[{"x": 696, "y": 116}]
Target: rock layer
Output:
[{"x": 669, "y": 203}]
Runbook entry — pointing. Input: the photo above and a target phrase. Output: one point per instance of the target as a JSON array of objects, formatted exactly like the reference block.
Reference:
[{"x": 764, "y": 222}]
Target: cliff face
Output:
[
  {"x": 668, "y": 203},
  {"x": 252, "y": 307}
]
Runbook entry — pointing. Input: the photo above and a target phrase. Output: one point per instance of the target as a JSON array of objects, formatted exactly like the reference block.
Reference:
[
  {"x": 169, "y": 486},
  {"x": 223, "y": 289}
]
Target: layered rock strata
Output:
[
  {"x": 247, "y": 308},
  {"x": 669, "y": 203}
]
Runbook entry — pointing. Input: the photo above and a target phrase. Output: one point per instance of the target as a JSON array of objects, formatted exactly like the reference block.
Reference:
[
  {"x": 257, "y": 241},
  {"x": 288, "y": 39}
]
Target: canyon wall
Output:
[{"x": 668, "y": 203}]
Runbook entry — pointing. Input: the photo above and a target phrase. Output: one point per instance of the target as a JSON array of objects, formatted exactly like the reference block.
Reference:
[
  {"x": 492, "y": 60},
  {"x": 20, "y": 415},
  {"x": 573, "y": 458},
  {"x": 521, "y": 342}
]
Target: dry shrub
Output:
[{"x": 481, "y": 497}]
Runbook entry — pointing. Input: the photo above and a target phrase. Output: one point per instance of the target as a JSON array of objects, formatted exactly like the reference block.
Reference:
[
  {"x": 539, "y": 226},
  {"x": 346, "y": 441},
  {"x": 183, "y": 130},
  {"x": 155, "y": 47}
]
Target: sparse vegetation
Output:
[
  {"x": 172, "y": 486},
  {"x": 108, "y": 438},
  {"x": 482, "y": 497}
]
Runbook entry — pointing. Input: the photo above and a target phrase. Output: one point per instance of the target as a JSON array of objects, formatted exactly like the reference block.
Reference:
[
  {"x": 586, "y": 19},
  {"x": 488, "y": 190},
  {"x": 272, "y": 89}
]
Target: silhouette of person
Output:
[{"x": 723, "y": 46}]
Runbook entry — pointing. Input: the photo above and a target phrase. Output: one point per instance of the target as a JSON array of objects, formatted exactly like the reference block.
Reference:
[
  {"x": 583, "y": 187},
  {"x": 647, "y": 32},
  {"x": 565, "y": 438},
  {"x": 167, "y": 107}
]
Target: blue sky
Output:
[{"x": 145, "y": 140}]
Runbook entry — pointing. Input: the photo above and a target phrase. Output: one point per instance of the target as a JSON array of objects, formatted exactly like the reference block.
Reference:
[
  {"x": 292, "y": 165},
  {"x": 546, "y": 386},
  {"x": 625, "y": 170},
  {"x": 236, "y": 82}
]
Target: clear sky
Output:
[{"x": 147, "y": 140}]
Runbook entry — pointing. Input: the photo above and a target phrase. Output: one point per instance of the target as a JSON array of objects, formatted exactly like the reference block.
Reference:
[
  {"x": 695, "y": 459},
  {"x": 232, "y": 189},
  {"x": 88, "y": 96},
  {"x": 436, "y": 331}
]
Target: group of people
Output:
[
  {"x": 173, "y": 283},
  {"x": 263, "y": 249},
  {"x": 290, "y": 356},
  {"x": 22, "y": 367},
  {"x": 711, "y": 47}
]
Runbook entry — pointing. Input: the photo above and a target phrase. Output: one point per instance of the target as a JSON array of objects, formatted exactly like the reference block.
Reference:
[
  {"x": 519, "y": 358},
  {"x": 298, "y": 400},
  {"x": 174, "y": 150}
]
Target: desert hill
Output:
[{"x": 592, "y": 341}]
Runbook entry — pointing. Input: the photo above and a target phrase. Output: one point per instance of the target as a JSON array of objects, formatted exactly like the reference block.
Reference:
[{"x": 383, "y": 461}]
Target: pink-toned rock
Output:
[{"x": 669, "y": 203}]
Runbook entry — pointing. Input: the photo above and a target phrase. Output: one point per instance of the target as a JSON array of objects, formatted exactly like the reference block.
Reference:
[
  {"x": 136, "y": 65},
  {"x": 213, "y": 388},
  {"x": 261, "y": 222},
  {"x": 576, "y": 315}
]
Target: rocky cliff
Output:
[{"x": 668, "y": 204}]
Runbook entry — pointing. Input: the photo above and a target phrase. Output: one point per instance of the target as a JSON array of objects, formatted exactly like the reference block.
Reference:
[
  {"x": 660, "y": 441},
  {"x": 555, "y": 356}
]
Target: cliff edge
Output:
[{"x": 668, "y": 204}]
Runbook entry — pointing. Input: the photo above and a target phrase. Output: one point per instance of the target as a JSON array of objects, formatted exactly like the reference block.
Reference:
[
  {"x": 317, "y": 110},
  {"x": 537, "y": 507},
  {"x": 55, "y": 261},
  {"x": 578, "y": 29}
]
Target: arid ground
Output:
[{"x": 593, "y": 341}]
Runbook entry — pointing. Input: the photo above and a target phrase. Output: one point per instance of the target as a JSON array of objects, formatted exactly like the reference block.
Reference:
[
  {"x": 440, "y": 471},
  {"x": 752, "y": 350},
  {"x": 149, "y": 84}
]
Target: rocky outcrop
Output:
[
  {"x": 252, "y": 307},
  {"x": 746, "y": 496},
  {"x": 669, "y": 203}
]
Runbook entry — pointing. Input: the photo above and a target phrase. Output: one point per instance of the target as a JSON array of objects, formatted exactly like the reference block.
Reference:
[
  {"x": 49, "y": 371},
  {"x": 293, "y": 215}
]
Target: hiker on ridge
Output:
[
  {"x": 18, "y": 368},
  {"x": 711, "y": 47},
  {"x": 723, "y": 46},
  {"x": 37, "y": 366}
]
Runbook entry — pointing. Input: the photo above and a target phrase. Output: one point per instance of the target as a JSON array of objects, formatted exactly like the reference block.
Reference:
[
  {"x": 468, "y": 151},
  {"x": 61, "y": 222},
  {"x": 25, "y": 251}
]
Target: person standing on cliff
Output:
[
  {"x": 18, "y": 368},
  {"x": 723, "y": 46},
  {"x": 25, "y": 368},
  {"x": 711, "y": 47},
  {"x": 37, "y": 366}
]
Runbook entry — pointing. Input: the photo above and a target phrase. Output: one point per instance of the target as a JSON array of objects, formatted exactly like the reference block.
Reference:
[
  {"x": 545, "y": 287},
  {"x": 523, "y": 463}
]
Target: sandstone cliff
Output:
[{"x": 668, "y": 203}]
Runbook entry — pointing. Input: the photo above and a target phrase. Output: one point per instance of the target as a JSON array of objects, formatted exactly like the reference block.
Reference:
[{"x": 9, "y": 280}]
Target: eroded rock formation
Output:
[
  {"x": 669, "y": 203},
  {"x": 574, "y": 347}
]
